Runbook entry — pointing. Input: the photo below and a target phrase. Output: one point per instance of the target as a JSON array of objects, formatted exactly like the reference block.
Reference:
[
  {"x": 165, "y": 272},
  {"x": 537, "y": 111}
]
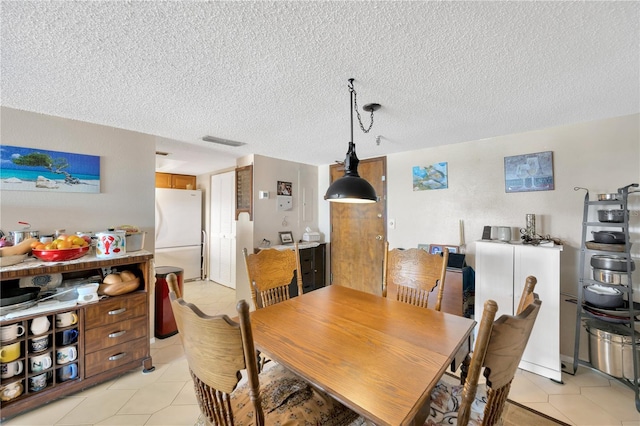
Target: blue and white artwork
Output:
[
  {"x": 28, "y": 169},
  {"x": 430, "y": 177}
]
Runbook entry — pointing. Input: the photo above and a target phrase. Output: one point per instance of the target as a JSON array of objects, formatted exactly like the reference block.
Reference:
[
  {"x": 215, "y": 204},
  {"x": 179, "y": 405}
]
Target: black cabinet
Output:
[{"x": 312, "y": 265}]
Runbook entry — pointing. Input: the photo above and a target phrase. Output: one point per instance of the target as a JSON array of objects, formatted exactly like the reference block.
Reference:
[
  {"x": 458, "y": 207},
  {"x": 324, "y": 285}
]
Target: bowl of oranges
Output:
[{"x": 61, "y": 249}]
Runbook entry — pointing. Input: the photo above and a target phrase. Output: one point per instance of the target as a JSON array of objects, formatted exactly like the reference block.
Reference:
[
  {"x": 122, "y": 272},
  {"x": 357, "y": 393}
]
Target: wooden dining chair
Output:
[
  {"x": 270, "y": 272},
  {"x": 218, "y": 349},
  {"x": 498, "y": 350},
  {"x": 410, "y": 275}
]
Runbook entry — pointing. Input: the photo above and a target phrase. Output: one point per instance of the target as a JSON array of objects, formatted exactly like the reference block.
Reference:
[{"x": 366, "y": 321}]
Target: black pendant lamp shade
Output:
[{"x": 351, "y": 188}]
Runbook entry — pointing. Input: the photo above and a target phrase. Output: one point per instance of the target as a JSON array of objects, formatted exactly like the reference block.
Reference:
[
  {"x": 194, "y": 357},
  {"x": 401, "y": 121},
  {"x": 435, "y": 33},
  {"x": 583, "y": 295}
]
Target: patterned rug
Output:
[{"x": 446, "y": 408}]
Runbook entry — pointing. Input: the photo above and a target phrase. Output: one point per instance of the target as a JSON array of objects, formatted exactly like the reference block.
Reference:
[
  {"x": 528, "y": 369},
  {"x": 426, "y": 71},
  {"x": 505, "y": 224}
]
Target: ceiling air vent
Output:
[{"x": 221, "y": 141}]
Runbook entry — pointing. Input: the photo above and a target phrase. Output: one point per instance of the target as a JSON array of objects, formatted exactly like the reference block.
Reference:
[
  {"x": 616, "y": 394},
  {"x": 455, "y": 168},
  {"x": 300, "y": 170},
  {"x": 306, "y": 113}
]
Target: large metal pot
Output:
[
  {"x": 19, "y": 236},
  {"x": 609, "y": 197},
  {"x": 610, "y": 277},
  {"x": 610, "y": 351},
  {"x": 602, "y": 296},
  {"x": 611, "y": 263},
  {"x": 612, "y": 216},
  {"x": 608, "y": 237}
]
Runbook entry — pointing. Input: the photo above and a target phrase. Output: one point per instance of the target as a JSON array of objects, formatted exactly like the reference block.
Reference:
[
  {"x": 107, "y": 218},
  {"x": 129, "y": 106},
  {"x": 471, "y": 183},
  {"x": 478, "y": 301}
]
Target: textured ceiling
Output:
[{"x": 274, "y": 74}]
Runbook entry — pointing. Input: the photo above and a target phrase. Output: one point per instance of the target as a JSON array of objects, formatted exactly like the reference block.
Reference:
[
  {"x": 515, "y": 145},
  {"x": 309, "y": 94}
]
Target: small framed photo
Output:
[
  {"x": 453, "y": 249},
  {"x": 435, "y": 249},
  {"x": 424, "y": 247},
  {"x": 286, "y": 237},
  {"x": 284, "y": 188}
]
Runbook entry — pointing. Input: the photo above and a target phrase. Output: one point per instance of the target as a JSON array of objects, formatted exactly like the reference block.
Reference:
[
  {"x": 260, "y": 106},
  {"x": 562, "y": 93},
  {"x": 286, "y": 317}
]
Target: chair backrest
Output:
[
  {"x": 410, "y": 275},
  {"x": 527, "y": 293},
  {"x": 270, "y": 272},
  {"x": 498, "y": 349},
  {"x": 216, "y": 349}
]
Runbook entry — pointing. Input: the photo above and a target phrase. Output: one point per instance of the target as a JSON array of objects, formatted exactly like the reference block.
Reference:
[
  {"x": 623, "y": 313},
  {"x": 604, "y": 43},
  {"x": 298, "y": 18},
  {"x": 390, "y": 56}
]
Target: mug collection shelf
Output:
[{"x": 82, "y": 350}]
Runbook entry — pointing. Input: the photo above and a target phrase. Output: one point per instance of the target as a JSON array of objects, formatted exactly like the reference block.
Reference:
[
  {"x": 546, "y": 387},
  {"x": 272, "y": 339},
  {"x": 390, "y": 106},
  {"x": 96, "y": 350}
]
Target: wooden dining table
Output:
[{"x": 379, "y": 357}]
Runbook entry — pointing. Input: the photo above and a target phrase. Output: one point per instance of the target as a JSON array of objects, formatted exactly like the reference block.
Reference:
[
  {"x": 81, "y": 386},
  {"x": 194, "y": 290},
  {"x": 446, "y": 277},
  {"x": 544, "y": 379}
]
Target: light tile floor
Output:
[{"x": 165, "y": 397}]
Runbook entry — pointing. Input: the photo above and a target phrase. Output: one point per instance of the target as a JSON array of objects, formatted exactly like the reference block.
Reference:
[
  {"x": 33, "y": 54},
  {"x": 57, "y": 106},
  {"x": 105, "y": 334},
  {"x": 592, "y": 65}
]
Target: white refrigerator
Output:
[{"x": 179, "y": 237}]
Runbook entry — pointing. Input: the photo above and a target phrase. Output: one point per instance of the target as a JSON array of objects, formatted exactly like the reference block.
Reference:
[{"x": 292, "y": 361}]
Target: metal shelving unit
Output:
[{"x": 622, "y": 327}]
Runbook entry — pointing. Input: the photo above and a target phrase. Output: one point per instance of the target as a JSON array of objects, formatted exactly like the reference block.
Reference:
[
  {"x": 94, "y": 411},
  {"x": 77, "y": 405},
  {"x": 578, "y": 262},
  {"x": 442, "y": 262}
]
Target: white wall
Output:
[
  {"x": 268, "y": 221},
  {"x": 601, "y": 156},
  {"x": 127, "y": 181}
]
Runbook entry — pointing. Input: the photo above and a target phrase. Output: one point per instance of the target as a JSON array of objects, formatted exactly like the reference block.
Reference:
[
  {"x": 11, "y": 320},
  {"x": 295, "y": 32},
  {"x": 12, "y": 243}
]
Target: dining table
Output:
[{"x": 379, "y": 357}]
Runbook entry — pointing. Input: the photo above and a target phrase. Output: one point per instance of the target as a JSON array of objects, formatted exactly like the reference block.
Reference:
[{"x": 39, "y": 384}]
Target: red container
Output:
[
  {"x": 60, "y": 255},
  {"x": 165, "y": 324}
]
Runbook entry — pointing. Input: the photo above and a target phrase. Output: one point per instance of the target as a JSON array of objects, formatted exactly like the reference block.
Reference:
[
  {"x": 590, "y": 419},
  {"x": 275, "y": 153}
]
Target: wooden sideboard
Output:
[{"x": 113, "y": 335}]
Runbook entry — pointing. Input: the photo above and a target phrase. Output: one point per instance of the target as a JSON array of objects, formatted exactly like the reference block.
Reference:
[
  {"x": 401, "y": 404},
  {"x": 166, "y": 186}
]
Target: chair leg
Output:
[{"x": 464, "y": 369}]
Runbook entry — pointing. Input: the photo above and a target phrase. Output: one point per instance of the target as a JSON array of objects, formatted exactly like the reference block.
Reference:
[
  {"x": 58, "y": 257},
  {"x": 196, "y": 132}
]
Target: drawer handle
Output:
[
  {"x": 117, "y": 357},
  {"x": 117, "y": 334},
  {"x": 117, "y": 311}
]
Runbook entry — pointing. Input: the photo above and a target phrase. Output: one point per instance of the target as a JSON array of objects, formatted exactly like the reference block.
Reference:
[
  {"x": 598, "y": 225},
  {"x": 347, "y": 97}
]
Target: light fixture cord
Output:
[{"x": 355, "y": 103}]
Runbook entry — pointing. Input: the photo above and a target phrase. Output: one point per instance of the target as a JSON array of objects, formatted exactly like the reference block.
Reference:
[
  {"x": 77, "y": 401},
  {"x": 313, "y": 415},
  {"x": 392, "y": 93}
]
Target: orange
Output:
[
  {"x": 40, "y": 246},
  {"x": 35, "y": 244},
  {"x": 64, "y": 244}
]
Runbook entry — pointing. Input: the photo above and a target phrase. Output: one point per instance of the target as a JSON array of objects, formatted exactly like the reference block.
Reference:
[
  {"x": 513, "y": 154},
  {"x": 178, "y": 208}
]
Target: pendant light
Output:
[{"x": 351, "y": 188}]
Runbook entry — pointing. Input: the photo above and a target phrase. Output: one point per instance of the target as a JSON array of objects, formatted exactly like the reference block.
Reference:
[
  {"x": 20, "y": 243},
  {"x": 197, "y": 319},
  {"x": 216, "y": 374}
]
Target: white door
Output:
[{"x": 222, "y": 262}]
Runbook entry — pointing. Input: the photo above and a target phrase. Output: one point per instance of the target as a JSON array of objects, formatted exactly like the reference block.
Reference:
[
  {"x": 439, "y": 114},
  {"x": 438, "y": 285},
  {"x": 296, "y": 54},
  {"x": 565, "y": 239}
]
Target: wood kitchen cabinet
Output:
[
  {"x": 312, "y": 265},
  {"x": 113, "y": 335},
  {"x": 501, "y": 271},
  {"x": 168, "y": 180}
]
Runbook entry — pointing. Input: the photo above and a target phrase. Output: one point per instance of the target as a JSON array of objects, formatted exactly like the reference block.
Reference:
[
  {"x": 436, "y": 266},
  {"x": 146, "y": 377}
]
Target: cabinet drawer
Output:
[
  {"x": 114, "y": 334},
  {"x": 106, "y": 359},
  {"x": 115, "y": 310}
]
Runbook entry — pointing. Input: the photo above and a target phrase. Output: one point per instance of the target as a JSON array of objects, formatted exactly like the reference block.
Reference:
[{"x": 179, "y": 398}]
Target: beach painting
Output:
[
  {"x": 28, "y": 169},
  {"x": 430, "y": 177}
]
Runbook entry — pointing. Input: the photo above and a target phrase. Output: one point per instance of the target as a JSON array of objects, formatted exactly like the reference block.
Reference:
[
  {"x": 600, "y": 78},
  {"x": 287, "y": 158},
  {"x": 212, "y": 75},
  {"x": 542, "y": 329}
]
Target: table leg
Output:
[{"x": 422, "y": 415}]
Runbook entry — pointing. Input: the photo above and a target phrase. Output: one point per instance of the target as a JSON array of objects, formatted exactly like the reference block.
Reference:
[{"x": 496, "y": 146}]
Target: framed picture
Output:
[
  {"x": 424, "y": 247},
  {"x": 529, "y": 172},
  {"x": 438, "y": 248},
  {"x": 430, "y": 177},
  {"x": 29, "y": 169},
  {"x": 435, "y": 249},
  {"x": 284, "y": 188},
  {"x": 286, "y": 237}
]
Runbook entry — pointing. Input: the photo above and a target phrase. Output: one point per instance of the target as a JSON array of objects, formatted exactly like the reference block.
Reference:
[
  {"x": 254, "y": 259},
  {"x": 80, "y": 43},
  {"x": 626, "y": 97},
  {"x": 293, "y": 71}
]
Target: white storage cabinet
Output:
[{"x": 501, "y": 270}]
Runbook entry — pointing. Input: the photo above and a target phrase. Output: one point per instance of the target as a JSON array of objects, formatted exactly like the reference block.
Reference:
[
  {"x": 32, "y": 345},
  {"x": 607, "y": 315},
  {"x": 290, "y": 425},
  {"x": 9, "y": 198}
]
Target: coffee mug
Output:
[
  {"x": 11, "y": 369},
  {"x": 64, "y": 355},
  {"x": 11, "y": 390},
  {"x": 67, "y": 337},
  {"x": 66, "y": 319},
  {"x": 68, "y": 372},
  {"x": 10, "y": 352},
  {"x": 38, "y": 382},
  {"x": 39, "y": 344},
  {"x": 11, "y": 332},
  {"x": 40, "y": 325},
  {"x": 40, "y": 363}
]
